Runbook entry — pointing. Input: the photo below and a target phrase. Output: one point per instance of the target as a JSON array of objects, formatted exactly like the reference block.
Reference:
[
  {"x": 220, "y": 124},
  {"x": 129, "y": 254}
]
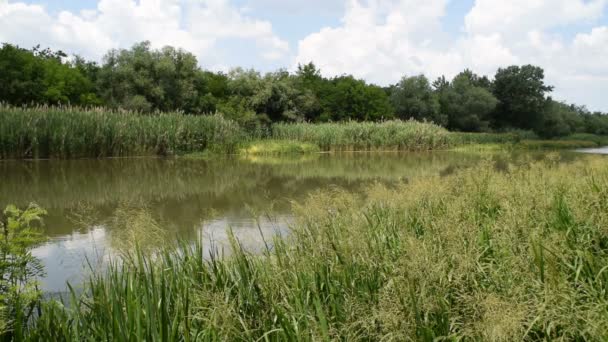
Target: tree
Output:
[
  {"x": 467, "y": 106},
  {"x": 145, "y": 79},
  {"x": 521, "y": 95},
  {"x": 413, "y": 98},
  {"x": 269, "y": 98},
  {"x": 41, "y": 76},
  {"x": 559, "y": 119}
]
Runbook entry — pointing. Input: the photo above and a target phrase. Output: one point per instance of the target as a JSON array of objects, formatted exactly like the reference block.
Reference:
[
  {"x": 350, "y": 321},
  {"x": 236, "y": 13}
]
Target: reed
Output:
[
  {"x": 366, "y": 136},
  {"x": 277, "y": 147},
  {"x": 70, "y": 132},
  {"x": 519, "y": 254}
]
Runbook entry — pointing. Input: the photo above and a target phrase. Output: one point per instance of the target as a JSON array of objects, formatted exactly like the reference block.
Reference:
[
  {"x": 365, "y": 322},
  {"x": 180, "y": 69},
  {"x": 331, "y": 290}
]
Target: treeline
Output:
[{"x": 147, "y": 80}]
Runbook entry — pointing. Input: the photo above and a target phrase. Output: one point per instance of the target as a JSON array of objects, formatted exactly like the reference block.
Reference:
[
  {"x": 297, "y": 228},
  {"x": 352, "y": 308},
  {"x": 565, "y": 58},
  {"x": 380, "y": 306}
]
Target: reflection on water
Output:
[
  {"x": 601, "y": 150},
  {"x": 188, "y": 198}
]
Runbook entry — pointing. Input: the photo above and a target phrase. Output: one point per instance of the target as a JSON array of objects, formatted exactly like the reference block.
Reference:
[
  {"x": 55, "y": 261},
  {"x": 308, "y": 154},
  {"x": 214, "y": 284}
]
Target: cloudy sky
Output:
[{"x": 378, "y": 40}]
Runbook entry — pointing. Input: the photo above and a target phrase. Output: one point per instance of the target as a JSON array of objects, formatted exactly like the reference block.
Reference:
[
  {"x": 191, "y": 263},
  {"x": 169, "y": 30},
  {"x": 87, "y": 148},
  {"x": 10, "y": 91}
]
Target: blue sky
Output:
[{"x": 378, "y": 40}]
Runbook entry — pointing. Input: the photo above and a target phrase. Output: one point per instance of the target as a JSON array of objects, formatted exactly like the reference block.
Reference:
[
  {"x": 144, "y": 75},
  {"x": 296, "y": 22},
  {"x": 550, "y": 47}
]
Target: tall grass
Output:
[
  {"x": 478, "y": 255},
  {"x": 389, "y": 135},
  {"x": 70, "y": 132},
  {"x": 463, "y": 138},
  {"x": 46, "y": 132}
]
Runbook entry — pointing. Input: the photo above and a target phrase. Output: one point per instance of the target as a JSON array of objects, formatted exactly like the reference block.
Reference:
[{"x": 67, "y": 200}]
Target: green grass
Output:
[
  {"x": 556, "y": 144},
  {"x": 599, "y": 140},
  {"x": 476, "y": 255},
  {"x": 70, "y": 132},
  {"x": 462, "y": 138},
  {"x": 365, "y": 136},
  {"x": 278, "y": 147},
  {"x": 540, "y": 145},
  {"x": 73, "y": 133}
]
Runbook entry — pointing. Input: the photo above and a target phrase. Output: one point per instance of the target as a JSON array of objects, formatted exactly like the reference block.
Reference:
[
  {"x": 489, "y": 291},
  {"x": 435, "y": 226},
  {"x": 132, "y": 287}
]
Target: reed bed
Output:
[
  {"x": 556, "y": 144},
  {"x": 366, "y": 136},
  {"x": 278, "y": 147},
  {"x": 463, "y": 138},
  {"x": 69, "y": 132},
  {"x": 517, "y": 254}
]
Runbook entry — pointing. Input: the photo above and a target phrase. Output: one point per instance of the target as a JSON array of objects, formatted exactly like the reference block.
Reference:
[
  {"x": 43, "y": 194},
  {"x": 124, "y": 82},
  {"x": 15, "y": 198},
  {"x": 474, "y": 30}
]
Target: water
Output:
[
  {"x": 601, "y": 150},
  {"x": 98, "y": 208}
]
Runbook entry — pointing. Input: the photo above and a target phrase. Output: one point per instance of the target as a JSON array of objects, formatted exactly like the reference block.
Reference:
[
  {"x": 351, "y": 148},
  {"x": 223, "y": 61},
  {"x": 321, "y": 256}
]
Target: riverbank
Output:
[
  {"x": 46, "y": 132},
  {"x": 518, "y": 254}
]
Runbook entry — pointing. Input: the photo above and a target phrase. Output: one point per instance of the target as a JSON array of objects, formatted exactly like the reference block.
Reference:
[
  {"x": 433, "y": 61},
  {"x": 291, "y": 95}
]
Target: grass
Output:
[
  {"x": 479, "y": 254},
  {"x": 44, "y": 132},
  {"x": 556, "y": 144},
  {"x": 540, "y": 145},
  {"x": 70, "y": 132},
  {"x": 278, "y": 147},
  {"x": 462, "y": 138},
  {"x": 599, "y": 140},
  {"x": 365, "y": 136}
]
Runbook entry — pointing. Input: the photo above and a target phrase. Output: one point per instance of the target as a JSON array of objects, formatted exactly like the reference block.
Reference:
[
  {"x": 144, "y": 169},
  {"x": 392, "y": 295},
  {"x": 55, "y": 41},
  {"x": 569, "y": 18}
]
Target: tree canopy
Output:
[{"x": 145, "y": 79}]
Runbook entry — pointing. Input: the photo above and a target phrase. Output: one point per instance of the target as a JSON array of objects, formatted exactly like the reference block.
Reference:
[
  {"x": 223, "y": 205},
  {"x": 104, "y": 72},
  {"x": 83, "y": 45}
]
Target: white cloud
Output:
[
  {"x": 519, "y": 16},
  {"x": 195, "y": 25},
  {"x": 381, "y": 40}
]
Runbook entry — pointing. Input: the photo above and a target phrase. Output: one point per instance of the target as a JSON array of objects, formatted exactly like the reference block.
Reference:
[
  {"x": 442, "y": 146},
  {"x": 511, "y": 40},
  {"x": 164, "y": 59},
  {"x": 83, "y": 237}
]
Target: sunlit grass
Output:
[
  {"x": 366, "y": 136},
  {"x": 278, "y": 147},
  {"x": 518, "y": 254},
  {"x": 48, "y": 132}
]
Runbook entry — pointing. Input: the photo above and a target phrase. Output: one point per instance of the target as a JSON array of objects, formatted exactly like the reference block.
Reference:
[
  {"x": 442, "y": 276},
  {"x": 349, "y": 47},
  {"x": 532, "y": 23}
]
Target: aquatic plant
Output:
[
  {"x": 349, "y": 136},
  {"x": 519, "y": 254},
  {"x": 71, "y": 132},
  {"x": 20, "y": 231}
]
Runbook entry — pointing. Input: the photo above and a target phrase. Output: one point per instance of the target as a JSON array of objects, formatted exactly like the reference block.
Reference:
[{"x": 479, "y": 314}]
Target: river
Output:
[{"x": 99, "y": 208}]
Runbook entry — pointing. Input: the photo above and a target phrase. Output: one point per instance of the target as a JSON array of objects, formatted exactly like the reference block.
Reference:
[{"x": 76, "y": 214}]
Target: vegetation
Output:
[
  {"x": 20, "y": 231},
  {"x": 44, "y": 132},
  {"x": 396, "y": 135},
  {"x": 278, "y": 147},
  {"x": 479, "y": 254},
  {"x": 146, "y": 80},
  {"x": 72, "y": 132}
]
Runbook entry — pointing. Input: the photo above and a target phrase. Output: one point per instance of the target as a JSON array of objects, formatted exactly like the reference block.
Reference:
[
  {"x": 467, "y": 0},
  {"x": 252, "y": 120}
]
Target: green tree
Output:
[
  {"x": 41, "y": 77},
  {"x": 467, "y": 106},
  {"x": 521, "y": 92},
  {"x": 560, "y": 119},
  {"x": 413, "y": 98},
  {"x": 145, "y": 79},
  {"x": 346, "y": 98}
]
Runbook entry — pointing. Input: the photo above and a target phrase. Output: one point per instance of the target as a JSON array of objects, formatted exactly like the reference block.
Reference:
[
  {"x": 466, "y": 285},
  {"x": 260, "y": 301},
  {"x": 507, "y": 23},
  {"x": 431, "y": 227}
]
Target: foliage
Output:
[
  {"x": 476, "y": 255},
  {"x": 388, "y": 135},
  {"x": 20, "y": 231},
  {"x": 142, "y": 79},
  {"x": 146, "y": 80},
  {"x": 265, "y": 147},
  {"x": 346, "y": 98},
  {"x": 556, "y": 144},
  {"x": 42, "y": 77},
  {"x": 467, "y": 106},
  {"x": 521, "y": 94},
  {"x": 413, "y": 98},
  {"x": 75, "y": 133}
]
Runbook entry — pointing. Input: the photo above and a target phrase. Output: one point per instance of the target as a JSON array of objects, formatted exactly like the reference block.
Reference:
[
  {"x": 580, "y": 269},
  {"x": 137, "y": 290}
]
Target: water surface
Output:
[{"x": 100, "y": 207}]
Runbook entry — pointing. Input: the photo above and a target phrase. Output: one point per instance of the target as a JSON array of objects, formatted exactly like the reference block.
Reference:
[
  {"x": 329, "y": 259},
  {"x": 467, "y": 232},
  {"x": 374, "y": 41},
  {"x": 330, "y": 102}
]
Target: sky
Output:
[{"x": 377, "y": 40}]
